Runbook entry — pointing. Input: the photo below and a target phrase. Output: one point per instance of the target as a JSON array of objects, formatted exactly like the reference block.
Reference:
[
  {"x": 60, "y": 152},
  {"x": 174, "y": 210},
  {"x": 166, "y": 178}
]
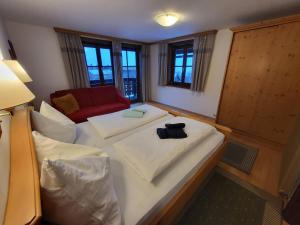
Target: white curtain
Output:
[
  {"x": 163, "y": 64},
  {"x": 117, "y": 60},
  {"x": 203, "y": 49},
  {"x": 145, "y": 73},
  {"x": 74, "y": 59}
]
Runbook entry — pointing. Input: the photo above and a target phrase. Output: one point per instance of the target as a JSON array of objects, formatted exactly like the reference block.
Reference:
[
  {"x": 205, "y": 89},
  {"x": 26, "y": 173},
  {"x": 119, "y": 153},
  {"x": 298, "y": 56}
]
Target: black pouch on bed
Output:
[
  {"x": 162, "y": 133},
  {"x": 175, "y": 125},
  {"x": 176, "y": 133}
]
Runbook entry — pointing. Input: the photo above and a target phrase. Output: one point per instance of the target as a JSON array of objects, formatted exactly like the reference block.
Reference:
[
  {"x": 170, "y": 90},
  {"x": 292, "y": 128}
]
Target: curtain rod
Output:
[
  {"x": 97, "y": 36},
  {"x": 184, "y": 37}
]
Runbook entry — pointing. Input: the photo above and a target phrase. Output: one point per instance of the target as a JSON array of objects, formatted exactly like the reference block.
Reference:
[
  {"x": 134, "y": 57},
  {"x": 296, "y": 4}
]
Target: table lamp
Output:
[
  {"x": 12, "y": 90},
  {"x": 18, "y": 70}
]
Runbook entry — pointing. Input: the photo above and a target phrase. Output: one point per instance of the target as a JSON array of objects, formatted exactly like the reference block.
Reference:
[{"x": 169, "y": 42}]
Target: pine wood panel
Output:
[
  {"x": 262, "y": 84},
  {"x": 278, "y": 104}
]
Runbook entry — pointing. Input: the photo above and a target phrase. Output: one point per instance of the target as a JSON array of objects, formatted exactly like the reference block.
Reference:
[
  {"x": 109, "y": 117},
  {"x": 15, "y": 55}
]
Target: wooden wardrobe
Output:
[{"x": 261, "y": 91}]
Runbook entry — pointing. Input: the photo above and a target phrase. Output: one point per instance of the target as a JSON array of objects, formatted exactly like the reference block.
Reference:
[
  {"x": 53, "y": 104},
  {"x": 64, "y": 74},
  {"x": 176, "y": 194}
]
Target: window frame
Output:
[
  {"x": 137, "y": 50},
  {"x": 87, "y": 42},
  {"x": 185, "y": 45}
]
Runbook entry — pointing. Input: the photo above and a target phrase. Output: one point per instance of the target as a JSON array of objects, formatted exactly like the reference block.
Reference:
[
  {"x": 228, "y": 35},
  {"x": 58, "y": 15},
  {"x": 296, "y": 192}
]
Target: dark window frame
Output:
[
  {"x": 137, "y": 50},
  {"x": 185, "y": 45},
  {"x": 95, "y": 43}
]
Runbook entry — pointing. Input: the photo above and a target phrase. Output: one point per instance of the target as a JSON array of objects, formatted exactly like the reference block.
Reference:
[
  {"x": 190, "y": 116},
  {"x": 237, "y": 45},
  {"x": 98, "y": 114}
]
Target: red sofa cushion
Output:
[
  {"x": 103, "y": 95},
  {"x": 94, "y": 101},
  {"x": 82, "y": 96},
  {"x": 82, "y": 115}
]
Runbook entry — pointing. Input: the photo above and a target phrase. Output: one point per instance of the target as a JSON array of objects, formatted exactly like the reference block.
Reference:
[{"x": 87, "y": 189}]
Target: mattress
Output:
[{"x": 139, "y": 198}]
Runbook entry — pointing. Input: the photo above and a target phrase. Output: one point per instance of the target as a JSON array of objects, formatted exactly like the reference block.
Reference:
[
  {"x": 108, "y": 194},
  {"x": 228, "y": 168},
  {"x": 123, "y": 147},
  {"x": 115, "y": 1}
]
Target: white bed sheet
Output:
[
  {"x": 87, "y": 134},
  {"x": 112, "y": 124},
  {"x": 139, "y": 198},
  {"x": 149, "y": 155}
]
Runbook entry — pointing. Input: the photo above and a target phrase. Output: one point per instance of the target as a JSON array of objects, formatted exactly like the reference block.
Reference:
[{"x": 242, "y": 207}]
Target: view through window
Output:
[
  {"x": 130, "y": 73},
  {"x": 99, "y": 63},
  {"x": 182, "y": 61}
]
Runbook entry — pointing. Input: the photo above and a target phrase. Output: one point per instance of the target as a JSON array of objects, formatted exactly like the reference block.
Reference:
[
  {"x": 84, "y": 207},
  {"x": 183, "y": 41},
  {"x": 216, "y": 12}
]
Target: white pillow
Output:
[
  {"x": 52, "y": 113},
  {"x": 76, "y": 184},
  {"x": 53, "y": 129},
  {"x": 46, "y": 147}
]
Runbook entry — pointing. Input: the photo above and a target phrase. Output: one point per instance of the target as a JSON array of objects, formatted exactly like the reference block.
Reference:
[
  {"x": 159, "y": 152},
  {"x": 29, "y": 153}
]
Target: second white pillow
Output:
[
  {"x": 52, "y": 113},
  {"x": 53, "y": 129}
]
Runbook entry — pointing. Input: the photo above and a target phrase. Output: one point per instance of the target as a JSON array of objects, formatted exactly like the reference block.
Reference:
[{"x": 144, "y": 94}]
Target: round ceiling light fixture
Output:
[{"x": 166, "y": 20}]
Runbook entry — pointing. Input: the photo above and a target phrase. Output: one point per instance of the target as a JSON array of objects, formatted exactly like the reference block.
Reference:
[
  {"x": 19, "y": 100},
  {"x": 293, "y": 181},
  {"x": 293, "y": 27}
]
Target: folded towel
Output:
[
  {"x": 132, "y": 114},
  {"x": 175, "y": 125},
  {"x": 174, "y": 133},
  {"x": 162, "y": 133},
  {"x": 140, "y": 110}
]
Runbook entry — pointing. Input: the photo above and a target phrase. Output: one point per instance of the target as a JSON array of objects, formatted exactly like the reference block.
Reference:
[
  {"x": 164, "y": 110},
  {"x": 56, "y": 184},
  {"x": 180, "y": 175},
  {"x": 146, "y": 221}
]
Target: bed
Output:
[{"x": 170, "y": 192}]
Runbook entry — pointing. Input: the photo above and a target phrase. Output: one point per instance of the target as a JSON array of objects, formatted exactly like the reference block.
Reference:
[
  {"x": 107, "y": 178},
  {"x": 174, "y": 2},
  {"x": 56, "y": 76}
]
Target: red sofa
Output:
[{"x": 93, "y": 101}]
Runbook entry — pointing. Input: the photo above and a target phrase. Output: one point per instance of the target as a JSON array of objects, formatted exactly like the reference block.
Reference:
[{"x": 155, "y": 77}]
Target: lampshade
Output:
[
  {"x": 12, "y": 91},
  {"x": 166, "y": 20},
  {"x": 16, "y": 67}
]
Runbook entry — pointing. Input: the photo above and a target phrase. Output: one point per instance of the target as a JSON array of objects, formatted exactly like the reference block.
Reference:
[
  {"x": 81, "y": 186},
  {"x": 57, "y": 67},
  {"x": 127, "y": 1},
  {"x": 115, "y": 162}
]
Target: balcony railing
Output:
[{"x": 130, "y": 86}]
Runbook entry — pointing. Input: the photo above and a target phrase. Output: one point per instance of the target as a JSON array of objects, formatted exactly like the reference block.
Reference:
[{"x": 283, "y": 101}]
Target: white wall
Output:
[
  {"x": 205, "y": 103},
  {"x": 38, "y": 51},
  {"x": 4, "y": 54}
]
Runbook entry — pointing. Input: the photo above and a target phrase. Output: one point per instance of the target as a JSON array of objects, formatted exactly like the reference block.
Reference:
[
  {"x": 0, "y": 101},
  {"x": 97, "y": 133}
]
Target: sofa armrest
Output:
[{"x": 122, "y": 99}]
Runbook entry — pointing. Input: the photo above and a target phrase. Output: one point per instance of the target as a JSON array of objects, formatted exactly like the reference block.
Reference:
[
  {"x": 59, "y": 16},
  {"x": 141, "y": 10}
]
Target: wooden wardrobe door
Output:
[
  {"x": 245, "y": 71},
  {"x": 279, "y": 101},
  {"x": 261, "y": 89}
]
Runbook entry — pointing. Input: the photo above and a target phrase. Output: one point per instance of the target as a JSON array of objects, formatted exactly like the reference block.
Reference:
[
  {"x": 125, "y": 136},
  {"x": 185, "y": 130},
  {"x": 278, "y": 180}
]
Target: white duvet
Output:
[
  {"x": 149, "y": 156},
  {"x": 114, "y": 123}
]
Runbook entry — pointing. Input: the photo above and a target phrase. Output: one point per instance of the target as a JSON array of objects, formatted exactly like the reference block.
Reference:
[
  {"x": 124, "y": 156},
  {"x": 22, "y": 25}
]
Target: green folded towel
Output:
[
  {"x": 139, "y": 110},
  {"x": 133, "y": 113}
]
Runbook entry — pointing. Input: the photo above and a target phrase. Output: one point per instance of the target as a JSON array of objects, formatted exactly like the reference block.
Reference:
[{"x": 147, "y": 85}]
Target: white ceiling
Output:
[{"x": 133, "y": 19}]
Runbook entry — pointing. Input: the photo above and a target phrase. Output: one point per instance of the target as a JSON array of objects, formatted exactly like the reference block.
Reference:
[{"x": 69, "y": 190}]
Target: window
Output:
[
  {"x": 130, "y": 72},
  {"x": 98, "y": 55},
  {"x": 181, "y": 63}
]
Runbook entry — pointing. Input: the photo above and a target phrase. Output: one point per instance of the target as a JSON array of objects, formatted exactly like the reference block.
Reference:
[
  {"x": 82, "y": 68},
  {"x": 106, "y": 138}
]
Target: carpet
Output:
[
  {"x": 224, "y": 202},
  {"x": 240, "y": 156}
]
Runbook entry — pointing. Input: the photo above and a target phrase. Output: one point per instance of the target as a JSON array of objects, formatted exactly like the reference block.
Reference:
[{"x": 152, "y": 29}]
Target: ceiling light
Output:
[{"x": 166, "y": 20}]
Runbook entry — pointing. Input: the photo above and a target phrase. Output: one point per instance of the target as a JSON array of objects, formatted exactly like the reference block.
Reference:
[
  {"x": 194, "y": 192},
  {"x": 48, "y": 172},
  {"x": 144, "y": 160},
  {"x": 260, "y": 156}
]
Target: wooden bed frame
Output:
[{"x": 24, "y": 201}]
